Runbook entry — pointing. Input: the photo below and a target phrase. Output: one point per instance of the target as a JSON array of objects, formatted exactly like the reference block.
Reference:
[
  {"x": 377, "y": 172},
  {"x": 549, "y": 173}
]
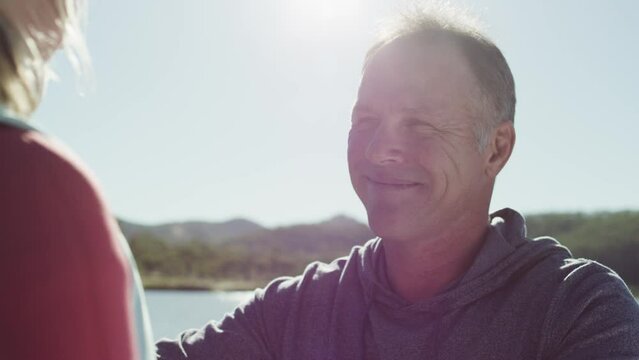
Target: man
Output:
[{"x": 431, "y": 129}]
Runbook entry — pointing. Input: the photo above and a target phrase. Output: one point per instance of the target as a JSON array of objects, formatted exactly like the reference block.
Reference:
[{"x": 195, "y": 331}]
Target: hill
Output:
[
  {"x": 183, "y": 232},
  {"x": 196, "y": 255},
  {"x": 243, "y": 254}
]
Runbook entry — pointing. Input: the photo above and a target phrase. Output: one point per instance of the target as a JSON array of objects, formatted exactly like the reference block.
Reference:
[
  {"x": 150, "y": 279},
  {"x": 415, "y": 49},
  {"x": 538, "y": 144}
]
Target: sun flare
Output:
[{"x": 324, "y": 11}]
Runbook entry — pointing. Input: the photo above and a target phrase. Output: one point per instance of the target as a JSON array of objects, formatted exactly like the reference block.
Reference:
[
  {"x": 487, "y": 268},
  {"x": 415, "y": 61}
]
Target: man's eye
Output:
[{"x": 419, "y": 125}]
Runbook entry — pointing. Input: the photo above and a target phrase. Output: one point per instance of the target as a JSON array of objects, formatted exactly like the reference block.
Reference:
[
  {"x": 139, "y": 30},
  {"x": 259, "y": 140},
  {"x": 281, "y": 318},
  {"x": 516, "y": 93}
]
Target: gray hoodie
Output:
[{"x": 521, "y": 299}]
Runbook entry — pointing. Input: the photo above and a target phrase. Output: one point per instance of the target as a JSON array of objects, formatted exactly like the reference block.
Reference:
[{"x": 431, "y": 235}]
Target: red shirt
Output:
[{"x": 65, "y": 281}]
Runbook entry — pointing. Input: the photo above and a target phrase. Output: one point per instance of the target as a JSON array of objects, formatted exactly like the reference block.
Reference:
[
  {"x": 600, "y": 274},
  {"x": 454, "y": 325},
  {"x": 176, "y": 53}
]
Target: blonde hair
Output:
[{"x": 23, "y": 62}]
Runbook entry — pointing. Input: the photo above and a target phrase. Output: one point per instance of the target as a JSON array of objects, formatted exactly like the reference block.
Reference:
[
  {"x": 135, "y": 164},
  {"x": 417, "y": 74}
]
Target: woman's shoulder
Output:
[
  {"x": 29, "y": 152},
  {"x": 41, "y": 169},
  {"x": 47, "y": 190},
  {"x": 61, "y": 255}
]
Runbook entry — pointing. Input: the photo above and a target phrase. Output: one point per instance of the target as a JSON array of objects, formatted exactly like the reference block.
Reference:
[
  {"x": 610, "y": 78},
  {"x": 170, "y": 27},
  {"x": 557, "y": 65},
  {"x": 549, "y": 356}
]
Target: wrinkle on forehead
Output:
[{"x": 440, "y": 78}]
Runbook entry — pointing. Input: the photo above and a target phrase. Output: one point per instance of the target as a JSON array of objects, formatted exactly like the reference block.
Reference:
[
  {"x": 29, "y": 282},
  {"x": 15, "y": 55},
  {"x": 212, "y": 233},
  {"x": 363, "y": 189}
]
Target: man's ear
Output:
[{"x": 499, "y": 149}]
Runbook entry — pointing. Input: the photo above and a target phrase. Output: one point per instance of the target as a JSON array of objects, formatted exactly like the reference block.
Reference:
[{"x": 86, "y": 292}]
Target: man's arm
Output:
[
  {"x": 252, "y": 331},
  {"x": 594, "y": 317},
  {"x": 210, "y": 342}
]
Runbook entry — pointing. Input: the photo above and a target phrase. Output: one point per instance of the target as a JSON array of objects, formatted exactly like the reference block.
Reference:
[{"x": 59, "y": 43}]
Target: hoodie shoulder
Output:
[
  {"x": 592, "y": 314},
  {"x": 320, "y": 276}
]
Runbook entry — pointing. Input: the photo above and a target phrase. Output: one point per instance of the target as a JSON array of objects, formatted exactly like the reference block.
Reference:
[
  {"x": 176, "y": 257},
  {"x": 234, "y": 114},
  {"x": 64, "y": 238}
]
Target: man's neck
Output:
[{"x": 420, "y": 269}]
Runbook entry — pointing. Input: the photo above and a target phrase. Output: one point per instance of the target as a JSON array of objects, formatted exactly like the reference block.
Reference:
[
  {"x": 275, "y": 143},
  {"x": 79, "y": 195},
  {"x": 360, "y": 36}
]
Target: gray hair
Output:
[
  {"x": 439, "y": 19},
  {"x": 23, "y": 67}
]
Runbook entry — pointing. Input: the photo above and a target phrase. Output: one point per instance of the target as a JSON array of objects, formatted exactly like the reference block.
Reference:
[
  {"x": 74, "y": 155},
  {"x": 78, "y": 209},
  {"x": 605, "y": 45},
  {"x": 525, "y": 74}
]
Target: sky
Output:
[{"x": 212, "y": 110}]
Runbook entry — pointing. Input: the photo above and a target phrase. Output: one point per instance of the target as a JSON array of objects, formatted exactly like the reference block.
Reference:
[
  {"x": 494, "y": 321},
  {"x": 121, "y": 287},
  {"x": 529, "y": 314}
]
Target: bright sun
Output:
[{"x": 321, "y": 12}]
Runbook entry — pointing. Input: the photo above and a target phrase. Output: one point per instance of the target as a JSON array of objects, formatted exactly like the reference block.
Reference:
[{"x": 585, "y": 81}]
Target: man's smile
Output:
[{"x": 391, "y": 183}]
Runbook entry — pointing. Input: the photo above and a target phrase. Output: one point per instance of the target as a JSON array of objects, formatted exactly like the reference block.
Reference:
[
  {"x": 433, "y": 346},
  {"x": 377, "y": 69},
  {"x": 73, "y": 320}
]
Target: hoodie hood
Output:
[{"x": 505, "y": 251}]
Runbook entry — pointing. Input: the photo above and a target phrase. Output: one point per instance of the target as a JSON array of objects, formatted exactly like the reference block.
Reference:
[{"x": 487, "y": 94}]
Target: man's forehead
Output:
[
  {"x": 426, "y": 60},
  {"x": 368, "y": 107},
  {"x": 422, "y": 75},
  {"x": 410, "y": 104},
  {"x": 411, "y": 84},
  {"x": 417, "y": 48}
]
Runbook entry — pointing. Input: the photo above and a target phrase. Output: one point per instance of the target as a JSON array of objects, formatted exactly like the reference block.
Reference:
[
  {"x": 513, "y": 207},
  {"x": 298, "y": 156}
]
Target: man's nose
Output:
[{"x": 386, "y": 146}]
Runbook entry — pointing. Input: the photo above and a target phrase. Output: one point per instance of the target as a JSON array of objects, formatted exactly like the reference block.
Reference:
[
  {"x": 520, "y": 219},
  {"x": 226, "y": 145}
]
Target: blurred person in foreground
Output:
[
  {"x": 70, "y": 289},
  {"x": 431, "y": 129}
]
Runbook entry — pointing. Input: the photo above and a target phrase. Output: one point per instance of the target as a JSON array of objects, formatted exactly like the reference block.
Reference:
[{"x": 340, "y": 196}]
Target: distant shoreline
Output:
[
  {"x": 200, "y": 284},
  {"x": 196, "y": 284}
]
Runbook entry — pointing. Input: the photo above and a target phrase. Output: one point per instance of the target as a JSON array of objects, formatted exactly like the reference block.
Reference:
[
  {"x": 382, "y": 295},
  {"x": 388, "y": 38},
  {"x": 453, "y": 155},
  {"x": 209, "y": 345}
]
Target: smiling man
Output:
[
  {"x": 415, "y": 155},
  {"x": 431, "y": 129}
]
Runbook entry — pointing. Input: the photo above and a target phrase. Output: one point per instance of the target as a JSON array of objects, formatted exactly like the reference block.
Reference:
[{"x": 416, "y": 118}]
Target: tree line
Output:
[{"x": 248, "y": 261}]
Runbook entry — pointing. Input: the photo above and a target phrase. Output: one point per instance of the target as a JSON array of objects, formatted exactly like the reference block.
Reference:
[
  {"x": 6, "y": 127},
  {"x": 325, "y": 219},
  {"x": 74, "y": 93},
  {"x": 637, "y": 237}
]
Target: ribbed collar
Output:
[{"x": 505, "y": 250}]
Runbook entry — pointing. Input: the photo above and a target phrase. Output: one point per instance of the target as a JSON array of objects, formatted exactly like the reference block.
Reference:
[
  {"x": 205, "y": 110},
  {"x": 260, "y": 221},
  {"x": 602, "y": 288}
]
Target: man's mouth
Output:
[{"x": 394, "y": 184}]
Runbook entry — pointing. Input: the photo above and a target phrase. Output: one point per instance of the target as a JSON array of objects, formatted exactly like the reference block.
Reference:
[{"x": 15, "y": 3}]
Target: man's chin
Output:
[{"x": 389, "y": 226}]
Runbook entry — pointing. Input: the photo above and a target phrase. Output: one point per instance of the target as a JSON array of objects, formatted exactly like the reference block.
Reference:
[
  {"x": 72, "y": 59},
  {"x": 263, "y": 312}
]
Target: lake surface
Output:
[{"x": 174, "y": 311}]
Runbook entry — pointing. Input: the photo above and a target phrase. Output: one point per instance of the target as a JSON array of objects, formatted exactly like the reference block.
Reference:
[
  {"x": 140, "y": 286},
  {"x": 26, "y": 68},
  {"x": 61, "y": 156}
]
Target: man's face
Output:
[{"x": 412, "y": 152}]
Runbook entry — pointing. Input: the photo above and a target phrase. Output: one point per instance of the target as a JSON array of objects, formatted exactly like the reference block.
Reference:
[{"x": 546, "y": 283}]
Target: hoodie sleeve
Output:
[
  {"x": 593, "y": 316},
  {"x": 252, "y": 331}
]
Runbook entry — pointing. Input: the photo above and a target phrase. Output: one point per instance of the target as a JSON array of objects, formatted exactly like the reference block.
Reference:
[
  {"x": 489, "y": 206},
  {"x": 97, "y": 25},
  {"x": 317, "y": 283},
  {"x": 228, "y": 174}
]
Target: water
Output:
[{"x": 174, "y": 311}]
